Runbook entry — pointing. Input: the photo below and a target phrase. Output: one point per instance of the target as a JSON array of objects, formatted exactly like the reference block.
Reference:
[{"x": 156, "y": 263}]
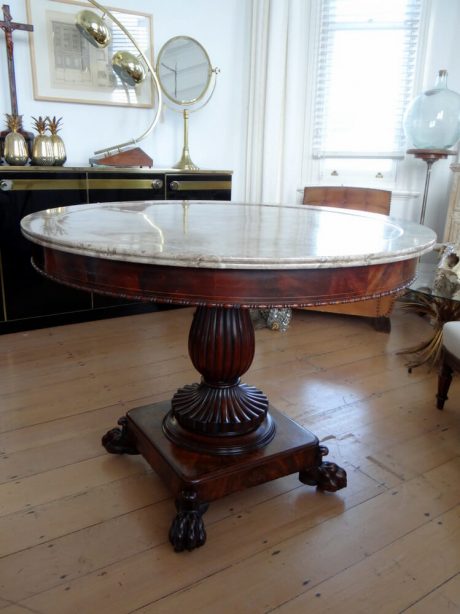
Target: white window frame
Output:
[{"x": 319, "y": 169}]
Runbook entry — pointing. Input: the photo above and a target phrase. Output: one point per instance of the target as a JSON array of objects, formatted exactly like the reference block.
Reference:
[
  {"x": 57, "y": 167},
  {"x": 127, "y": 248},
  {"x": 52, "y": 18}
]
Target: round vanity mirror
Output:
[
  {"x": 185, "y": 74},
  {"x": 184, "y": 70}
]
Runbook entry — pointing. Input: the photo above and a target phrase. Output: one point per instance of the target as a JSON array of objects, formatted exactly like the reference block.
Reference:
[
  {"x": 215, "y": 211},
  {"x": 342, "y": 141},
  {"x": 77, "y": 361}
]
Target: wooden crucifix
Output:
[{"x": 8, "y": 26}]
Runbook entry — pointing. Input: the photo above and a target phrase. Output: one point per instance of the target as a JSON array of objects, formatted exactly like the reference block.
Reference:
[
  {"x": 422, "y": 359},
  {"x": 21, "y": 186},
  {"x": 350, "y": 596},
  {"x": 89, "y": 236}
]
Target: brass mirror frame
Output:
[
  {"x": 210, "y": 71},
  {"x": 185, "y": 163}
]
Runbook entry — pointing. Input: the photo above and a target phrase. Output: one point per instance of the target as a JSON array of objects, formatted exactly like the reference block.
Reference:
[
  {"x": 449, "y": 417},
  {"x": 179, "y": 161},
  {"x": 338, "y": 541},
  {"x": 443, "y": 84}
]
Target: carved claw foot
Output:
[
  {"x": 187, "y": 531},
  {"x": 119, "y": 441},
  {"x": 326, "y": 476}
]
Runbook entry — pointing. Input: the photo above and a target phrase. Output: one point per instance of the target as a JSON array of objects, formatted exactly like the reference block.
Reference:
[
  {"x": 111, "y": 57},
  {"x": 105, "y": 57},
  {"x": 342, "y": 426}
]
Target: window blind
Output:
[
  {"x": 364, "y": 77},
  {"x": 136, "y": 27}
]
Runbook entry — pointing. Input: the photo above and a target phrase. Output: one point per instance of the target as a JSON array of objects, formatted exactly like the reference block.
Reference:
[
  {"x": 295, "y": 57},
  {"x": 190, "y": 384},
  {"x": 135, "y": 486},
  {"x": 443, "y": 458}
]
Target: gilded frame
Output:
[{"x": 71, "y": 70}]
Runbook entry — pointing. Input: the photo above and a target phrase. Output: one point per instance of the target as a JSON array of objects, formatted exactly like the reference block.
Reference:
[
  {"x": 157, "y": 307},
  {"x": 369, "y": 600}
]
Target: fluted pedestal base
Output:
[
  {"x": 218, "y": 444},
  {"x": 221, "y": 348},
  {"x": 218, "y": 436}
]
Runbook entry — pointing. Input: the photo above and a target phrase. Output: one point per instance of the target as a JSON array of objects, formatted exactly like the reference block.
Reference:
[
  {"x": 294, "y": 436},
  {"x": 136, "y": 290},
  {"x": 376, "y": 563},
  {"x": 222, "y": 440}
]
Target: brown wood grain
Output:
[
  {"x": 225, "y": 287},
  {"x": 100, "y": 546}
]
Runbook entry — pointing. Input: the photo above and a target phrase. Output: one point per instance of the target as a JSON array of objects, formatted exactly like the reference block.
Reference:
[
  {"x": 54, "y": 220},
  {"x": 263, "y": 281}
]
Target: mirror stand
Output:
[
  {"x": 187, "y": 79},
  {"x": 185, "y": 163}
]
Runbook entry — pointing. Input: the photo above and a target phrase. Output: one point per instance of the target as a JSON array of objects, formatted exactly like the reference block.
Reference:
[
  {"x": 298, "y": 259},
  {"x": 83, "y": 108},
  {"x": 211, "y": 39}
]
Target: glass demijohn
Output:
[{"x": 432, "y": 120}]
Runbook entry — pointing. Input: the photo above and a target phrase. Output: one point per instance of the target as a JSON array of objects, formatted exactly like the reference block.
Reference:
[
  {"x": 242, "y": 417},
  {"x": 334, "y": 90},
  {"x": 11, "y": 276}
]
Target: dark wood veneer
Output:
[{"x": 225, "y": 287}]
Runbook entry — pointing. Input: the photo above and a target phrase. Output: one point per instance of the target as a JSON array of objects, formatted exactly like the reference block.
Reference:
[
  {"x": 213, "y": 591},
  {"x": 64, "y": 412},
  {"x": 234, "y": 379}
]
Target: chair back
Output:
[{"x": 362, "y": 199}]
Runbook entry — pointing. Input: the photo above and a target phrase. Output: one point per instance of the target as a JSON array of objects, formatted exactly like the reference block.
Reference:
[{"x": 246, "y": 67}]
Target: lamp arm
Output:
[{"x": 152, "y": 74}]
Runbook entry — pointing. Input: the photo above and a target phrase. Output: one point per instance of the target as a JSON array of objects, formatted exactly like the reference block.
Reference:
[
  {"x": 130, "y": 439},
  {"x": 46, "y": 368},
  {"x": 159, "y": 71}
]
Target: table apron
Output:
[{"x": 224, "y": 287}]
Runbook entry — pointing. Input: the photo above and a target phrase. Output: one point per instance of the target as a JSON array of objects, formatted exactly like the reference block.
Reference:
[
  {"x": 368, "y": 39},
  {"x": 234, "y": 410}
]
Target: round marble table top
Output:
[{"x": 228, "y": 235}]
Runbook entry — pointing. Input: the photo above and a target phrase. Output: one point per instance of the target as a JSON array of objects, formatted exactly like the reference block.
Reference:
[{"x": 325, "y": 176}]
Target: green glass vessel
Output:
[{"x": 432, "y": 120}]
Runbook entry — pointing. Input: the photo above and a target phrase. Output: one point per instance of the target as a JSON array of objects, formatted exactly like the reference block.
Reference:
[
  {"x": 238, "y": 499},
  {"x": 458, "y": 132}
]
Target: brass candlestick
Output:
[{"x": 185, "y": 163}]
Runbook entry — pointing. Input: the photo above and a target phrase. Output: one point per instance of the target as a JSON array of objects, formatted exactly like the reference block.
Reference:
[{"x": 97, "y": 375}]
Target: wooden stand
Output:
[
  {"x": 129, "y": 158},
  {"x": 195, "y": 478},
  {"x": 430, "y": 156},
  {"x": 218, "y": 437}
]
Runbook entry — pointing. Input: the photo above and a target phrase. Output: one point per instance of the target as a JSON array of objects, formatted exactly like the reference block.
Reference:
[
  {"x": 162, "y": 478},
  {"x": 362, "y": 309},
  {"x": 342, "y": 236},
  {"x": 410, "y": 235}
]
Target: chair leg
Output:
[
  {"x": 444, "y": 380},
  {"x": 382, "y": 324}
]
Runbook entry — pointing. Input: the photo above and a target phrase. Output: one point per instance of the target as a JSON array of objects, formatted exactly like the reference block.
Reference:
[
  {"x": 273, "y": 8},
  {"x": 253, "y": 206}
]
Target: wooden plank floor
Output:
[{"x": 82, "y": 531}]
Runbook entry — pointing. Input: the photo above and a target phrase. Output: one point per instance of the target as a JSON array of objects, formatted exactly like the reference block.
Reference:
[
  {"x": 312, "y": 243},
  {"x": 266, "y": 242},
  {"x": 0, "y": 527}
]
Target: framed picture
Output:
[{"x": 67, "y": 68}]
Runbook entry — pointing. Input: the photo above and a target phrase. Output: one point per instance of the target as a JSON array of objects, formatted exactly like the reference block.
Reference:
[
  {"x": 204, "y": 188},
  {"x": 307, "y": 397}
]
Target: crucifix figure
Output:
[{"x": 8, "y": 26}]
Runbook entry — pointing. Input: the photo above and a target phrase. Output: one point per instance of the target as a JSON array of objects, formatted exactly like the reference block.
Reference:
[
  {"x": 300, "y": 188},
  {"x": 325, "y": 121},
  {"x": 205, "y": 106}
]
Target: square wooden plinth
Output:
[{"x": 210, "y": 476}]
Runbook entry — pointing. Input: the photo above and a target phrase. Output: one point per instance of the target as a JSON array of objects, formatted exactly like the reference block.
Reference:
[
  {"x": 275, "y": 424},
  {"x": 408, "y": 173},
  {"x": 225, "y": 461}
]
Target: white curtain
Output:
[{"x": 277, "y": 100}]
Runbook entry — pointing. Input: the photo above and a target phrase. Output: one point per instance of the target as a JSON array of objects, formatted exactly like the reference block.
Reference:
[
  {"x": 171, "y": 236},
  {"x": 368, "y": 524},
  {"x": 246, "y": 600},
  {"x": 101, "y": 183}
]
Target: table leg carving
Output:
[
  {"x": 221, "y": 347},
  {"x": 187, "y": 531},
  {"x": 220, "y": 415},
  {"x": 219, "y": 436},
  {"x": 119, "y": 440},
  {"x": 326, "y": 476}
]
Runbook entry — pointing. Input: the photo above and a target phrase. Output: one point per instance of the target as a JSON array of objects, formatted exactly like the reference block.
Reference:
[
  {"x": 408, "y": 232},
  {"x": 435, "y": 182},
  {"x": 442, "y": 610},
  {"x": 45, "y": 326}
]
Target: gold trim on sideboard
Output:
[
  {"x": 82, "y": 184},
  {"x": 114, "y": 184},
  {"x": 97, "y": 170},
  {"x": 181, "y": 186},
  {"x": 47, "y": 184},
  {"x": 122, "y": 184}
]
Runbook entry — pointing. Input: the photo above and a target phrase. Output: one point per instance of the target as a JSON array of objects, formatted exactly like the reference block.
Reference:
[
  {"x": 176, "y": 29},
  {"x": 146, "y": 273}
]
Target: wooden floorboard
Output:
[{"x": 85, "y": 532}]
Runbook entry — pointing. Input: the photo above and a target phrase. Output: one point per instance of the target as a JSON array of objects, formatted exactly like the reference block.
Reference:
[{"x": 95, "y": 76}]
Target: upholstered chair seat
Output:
[{"x": 450, "y": 361}]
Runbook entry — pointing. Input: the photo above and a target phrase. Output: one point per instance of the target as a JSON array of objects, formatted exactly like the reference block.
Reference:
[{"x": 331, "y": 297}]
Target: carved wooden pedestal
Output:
[
  {"x": 218, "y": 437},
  {"x": 195, "y": 479}
]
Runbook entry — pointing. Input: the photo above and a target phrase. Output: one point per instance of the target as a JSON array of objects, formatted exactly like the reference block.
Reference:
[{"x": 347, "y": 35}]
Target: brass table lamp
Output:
[{"x": 131, "y": 70}]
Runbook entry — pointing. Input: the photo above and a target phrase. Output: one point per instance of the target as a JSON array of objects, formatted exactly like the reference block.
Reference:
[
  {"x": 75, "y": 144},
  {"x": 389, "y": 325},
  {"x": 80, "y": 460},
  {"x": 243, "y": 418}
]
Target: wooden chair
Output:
[
  {"x": 450, "y": 360},
  {"x": 362, "y": 199}
]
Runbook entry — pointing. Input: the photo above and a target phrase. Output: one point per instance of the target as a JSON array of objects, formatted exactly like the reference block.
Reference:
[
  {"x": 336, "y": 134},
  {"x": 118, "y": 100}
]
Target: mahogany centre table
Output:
[{"x": 221, "y": 435}]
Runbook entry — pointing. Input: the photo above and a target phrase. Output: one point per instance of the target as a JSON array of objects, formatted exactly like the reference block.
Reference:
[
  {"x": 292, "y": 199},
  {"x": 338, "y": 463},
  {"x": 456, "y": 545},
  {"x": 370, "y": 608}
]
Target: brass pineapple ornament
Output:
[
  {"x": 15, "y": 147},
  {"x": 40, "y": 124},
  {"x": 59, "y": 152},
  {"x": 42, "y": 148},
  {"x": 54, "y": 124},
  {"x": 13, "y": 122}
]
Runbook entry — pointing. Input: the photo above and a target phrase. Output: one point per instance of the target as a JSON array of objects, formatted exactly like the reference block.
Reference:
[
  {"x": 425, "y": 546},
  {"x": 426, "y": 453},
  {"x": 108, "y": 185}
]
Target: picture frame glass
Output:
[{"x": 67, "y": 68}]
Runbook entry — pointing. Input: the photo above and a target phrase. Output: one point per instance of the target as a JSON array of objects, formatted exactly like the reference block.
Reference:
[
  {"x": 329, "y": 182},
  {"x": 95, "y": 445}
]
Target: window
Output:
[{"x": 364, "y": 82}]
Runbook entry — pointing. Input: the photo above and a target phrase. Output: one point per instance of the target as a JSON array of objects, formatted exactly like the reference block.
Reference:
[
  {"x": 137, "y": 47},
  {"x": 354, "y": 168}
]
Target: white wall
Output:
[
  {"x": 215, "y": 132},
  {"x": 442, "y": 51}
]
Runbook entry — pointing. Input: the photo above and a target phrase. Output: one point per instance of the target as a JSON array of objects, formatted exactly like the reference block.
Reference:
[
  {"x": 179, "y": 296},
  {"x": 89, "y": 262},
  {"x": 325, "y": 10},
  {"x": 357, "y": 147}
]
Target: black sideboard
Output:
[{"x": 28, "y": 300}]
